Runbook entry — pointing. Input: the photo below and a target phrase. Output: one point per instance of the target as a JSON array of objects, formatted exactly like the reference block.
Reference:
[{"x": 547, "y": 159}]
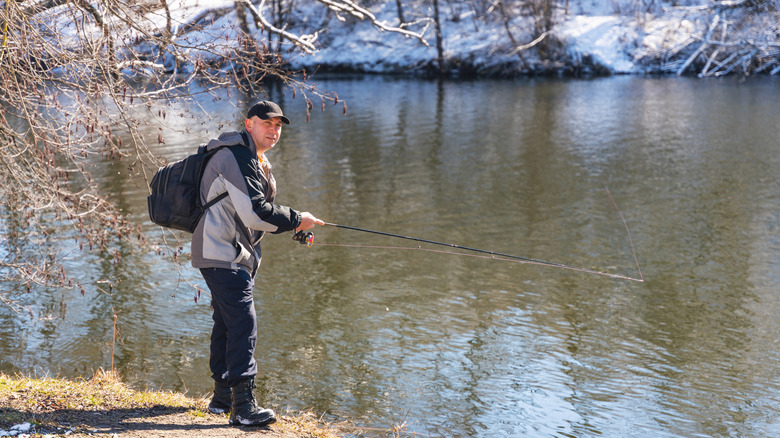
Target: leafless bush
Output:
[
  {"x": 68, "y": 88},
  {"x": 728, "y": 38}
]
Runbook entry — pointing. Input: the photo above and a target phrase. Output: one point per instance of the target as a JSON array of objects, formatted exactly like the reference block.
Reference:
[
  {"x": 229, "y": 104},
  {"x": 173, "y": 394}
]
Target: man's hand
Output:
[{"x": 308, "y": 221}]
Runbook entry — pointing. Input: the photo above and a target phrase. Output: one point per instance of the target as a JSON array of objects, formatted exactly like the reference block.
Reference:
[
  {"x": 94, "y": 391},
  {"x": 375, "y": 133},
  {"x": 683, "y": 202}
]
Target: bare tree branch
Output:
[
  {"x": 304, "y": 42},
  {"x": 351, "y": 8}
]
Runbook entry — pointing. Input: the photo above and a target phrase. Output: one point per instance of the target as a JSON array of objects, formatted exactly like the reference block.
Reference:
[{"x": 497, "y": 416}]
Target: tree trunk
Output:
[
  {"x": 400, "y": 12},
  {"x": 241, "y": 16},
  {"x": 544, "y": 23},
  {"x": 439, "y": 43}
]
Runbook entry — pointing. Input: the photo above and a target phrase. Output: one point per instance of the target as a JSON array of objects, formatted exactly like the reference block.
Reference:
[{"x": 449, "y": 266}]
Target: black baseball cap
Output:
[{"x": 265, "y": 110}]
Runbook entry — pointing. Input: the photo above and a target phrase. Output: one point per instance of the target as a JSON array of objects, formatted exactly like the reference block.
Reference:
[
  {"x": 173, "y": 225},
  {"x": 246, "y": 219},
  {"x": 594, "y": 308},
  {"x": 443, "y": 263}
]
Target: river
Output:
[{"x": 366, "y": 328}]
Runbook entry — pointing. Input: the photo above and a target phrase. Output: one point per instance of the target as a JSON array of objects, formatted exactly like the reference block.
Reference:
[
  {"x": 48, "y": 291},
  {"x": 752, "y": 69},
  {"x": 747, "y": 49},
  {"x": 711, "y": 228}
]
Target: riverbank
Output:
[
  {"x": 598, "y": 39},
  {"x": 105, "y": 406},
  {"x": 579, "y": 38}
]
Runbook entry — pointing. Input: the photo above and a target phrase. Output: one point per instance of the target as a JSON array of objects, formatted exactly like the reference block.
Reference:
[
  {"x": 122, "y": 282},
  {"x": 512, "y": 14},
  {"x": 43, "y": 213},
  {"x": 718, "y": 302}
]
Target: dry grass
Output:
[
  {"x": 104, "y": 404},
  {"x": 103, "y": 391}
]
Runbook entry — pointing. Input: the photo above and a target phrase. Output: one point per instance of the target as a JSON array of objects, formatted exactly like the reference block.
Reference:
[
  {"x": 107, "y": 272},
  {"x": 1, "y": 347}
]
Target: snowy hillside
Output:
[
  {"x": 704, "y": 37},
  {"x": 585, "y": 36},
  {"x": 602, "y": 36}
]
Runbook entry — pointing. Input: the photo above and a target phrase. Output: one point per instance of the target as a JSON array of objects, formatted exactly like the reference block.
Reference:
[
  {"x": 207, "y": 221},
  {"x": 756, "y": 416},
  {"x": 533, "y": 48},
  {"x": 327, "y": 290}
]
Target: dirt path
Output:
[{"x": 146, "y": 423}]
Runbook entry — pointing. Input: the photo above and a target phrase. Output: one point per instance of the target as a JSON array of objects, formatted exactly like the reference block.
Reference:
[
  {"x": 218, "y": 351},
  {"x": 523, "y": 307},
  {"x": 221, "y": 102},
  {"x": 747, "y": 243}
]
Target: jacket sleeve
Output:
[{"x": 246, "y": 191}]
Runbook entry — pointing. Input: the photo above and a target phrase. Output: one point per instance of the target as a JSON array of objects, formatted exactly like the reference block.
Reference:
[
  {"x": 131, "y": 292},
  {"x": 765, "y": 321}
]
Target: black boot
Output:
[
  {"x": 244, "y": 409},
  {"x": 220, "y": 403}
]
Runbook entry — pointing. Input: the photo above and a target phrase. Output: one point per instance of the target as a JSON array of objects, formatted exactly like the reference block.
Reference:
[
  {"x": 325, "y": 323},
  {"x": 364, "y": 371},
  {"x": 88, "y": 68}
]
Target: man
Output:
[{"x": 226, "y": 249}]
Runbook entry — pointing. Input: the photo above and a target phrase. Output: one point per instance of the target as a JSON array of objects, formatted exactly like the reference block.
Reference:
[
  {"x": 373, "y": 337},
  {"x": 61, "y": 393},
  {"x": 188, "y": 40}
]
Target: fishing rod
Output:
[{"x": 308, "y": 239}]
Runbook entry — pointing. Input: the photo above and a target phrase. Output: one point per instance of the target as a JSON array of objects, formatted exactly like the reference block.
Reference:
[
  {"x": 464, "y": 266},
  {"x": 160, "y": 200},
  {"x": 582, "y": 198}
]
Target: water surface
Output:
[{"x": 458, "y": 346}]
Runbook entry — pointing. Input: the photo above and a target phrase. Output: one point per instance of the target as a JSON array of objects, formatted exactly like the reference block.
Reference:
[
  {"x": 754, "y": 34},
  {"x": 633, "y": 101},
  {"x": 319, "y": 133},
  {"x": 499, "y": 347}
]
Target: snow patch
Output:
[
  {"x": 669, "y": 32},
  {"x": 19, "y": 430},
  {"x": 602, "y": 38}
]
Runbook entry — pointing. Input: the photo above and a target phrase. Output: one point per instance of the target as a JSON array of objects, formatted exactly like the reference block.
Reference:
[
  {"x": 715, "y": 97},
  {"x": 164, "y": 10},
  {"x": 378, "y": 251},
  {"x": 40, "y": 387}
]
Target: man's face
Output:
[{"x": 265, "y": 133}]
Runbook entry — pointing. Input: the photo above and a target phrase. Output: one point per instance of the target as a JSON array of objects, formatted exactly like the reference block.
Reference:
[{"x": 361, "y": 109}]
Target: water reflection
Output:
[{"x": 460, "y": 346}]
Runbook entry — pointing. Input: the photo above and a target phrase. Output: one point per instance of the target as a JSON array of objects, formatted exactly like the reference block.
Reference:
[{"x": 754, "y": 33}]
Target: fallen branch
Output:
[
  {"x": 702, "y": 48},
  {"x": 538, "y": 40}
]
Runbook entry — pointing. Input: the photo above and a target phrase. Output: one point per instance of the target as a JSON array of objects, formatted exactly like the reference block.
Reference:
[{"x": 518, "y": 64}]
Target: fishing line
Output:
[{"x": 628, "y": 232}]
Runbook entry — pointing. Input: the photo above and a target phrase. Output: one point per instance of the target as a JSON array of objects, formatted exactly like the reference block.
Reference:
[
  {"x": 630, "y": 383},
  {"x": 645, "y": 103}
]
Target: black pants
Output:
[{"x": 234, "y": 334}]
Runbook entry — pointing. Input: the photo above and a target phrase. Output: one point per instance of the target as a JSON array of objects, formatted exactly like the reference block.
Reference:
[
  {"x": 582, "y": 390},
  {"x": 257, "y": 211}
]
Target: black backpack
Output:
[{"x": 175, "y": 199}]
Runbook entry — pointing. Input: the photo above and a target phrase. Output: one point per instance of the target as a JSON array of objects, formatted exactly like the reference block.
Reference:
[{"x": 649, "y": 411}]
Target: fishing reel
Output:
[{"x": 304, "y": 238}]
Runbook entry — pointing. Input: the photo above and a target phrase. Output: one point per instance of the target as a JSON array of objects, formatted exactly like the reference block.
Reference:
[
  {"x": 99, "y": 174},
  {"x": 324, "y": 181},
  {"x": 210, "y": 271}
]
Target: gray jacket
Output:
[{"x": 228, "y": 235}]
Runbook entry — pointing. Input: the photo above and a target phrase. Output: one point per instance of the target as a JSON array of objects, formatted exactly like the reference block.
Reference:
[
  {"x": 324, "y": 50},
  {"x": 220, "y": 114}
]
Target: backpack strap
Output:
[
  {"x": 202, "y": 150},
  {"x": 218, "y": 198}
]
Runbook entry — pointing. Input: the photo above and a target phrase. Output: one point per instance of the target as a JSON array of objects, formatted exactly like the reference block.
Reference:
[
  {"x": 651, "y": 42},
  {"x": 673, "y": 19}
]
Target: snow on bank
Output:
[
  {"x": 604, "y": 39},
  {"x": 616, "y": 36},
  {"x": 590, "y": 34},
  {"x": 592, "y": 31},
  {"x": 628, "y": 40}
]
